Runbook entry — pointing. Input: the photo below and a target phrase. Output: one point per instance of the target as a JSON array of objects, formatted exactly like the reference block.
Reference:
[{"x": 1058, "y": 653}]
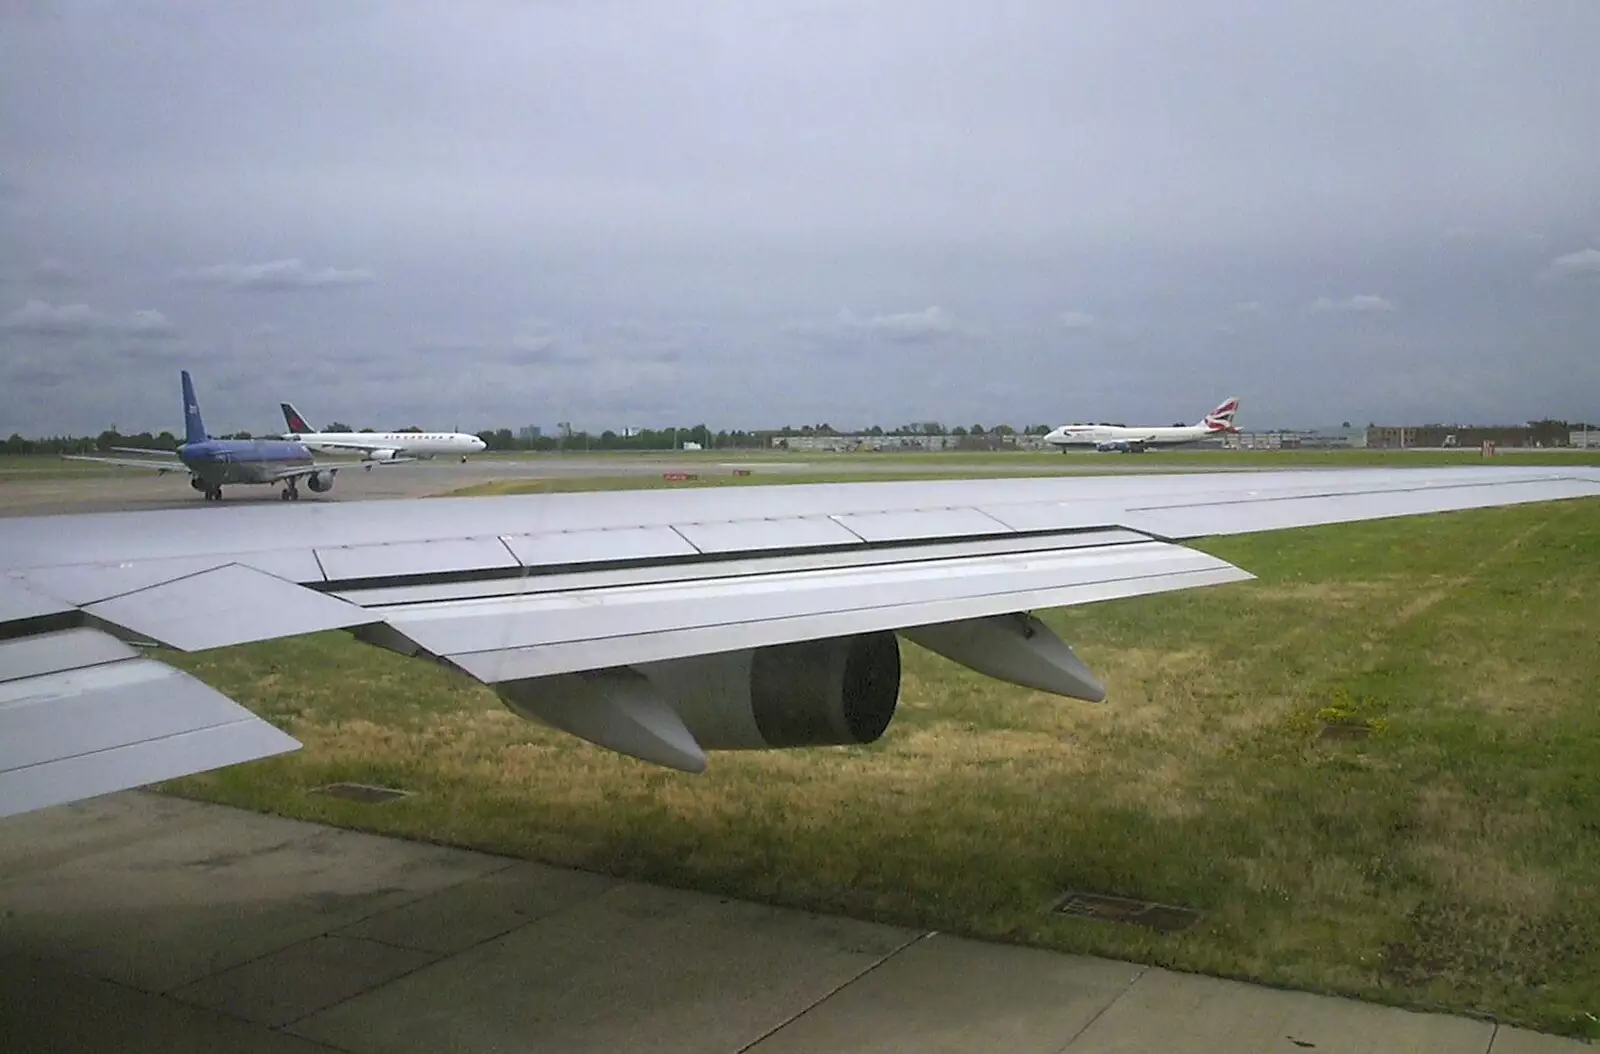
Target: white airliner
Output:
[
  {"x": 1137, "y": 440},
  {"x": 380, "y": 446}
]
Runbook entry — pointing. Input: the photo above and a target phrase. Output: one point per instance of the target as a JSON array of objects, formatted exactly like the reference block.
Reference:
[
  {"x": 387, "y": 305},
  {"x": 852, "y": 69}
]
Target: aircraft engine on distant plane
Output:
[
  {"x": 381, "y": 455},
  {"x": 320, "y": 482}
]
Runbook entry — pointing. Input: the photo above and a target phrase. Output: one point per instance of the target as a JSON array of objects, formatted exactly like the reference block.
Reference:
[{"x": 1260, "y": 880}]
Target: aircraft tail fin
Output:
[
  {"x": 291, "y": 417},
  {"x": 194, "y": 429},
  {"x": 1221, "y": 419}
]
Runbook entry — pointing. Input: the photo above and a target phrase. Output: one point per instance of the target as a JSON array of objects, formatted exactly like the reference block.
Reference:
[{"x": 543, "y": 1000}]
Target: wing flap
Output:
[
  {"x": 225, "y": 605},
  {"x": 556, "y": 548},
  {"x": 161, "y": 467},
  {"x": 511, "y": 637},
  {"x": 81, "y": 714},
  {"x": 18, "y": 603},
  {"x": 88, "y": 582}
]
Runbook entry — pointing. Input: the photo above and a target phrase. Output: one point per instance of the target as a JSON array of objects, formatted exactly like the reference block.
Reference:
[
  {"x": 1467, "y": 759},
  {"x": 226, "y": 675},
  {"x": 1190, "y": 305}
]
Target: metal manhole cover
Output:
[
  {"x": 1163, "y": 917},
  {"x": 364, "y": 793}
]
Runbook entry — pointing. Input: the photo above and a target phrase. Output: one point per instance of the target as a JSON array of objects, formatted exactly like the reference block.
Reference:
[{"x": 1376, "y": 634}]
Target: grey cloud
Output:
[
  {"x": 53, "y": 273},
  {"x": 1075, "y": 320},
  {"x": 1581, "y": 266},
  {"x": 46, "y": 320},
  {"x": 276, "y": 276},
  {"x": 910, "y": 327},
  {"x": 663, "y": 192},
  {"x": 38, "y": 318},
  {"x": 1361, "y": 304}
]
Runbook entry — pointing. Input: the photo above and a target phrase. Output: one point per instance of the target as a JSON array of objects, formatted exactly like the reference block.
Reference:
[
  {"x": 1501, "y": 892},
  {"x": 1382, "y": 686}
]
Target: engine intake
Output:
[
  {"x": 825, "y": 692},
  {"x": 320, "y": 482}
]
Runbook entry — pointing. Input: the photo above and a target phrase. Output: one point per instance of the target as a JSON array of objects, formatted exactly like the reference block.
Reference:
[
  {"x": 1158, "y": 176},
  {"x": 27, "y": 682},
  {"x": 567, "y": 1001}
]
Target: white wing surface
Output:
[{"x": 659, "y": 623}]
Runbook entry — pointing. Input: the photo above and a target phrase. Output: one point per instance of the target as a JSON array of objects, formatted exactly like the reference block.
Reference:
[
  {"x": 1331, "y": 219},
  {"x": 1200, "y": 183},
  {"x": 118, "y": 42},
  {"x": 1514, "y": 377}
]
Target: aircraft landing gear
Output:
[
  {"x": 290, "y": 492},
  {"x": 213, "y": 493}
]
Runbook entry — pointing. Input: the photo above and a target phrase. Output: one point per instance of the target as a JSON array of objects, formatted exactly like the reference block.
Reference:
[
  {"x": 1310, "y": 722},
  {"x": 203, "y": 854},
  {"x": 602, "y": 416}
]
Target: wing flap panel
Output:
[
  {"x": 900, "y": 594},
  {"x": 226, "y": 605},
  {"x": 67, "y": 649},
  {"x": 787, "y": 532},
  {"x": 540, "y": 661},
  {"x": 18, "y": 603},
  {"x": 557, "y": 548},
  {"x": 911, "y": 524},
  {"x": 73, "y": 733},
  {"x": 399, "y": 559}
]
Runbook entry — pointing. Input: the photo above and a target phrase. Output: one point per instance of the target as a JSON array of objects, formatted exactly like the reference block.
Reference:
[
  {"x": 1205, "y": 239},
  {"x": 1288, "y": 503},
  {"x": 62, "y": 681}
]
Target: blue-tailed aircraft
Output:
[{"x": 214, "y": 463}]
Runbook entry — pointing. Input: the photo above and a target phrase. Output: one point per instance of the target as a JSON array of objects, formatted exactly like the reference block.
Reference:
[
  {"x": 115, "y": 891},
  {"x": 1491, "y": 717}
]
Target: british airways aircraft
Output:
[
  {"x": 1122, "y": 440},
  {"x": 213, "y": 463}
]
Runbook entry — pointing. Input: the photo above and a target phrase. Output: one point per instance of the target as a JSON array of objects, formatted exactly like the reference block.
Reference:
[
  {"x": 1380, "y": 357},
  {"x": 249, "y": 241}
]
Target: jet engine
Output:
[
  {"x": 381, "y": 455},
  {"x": 838, "y": 691},
  {"x": 832, "y": 692},
  {"x": 320, "y": 482},
  {"x": 199, "y": 484}
]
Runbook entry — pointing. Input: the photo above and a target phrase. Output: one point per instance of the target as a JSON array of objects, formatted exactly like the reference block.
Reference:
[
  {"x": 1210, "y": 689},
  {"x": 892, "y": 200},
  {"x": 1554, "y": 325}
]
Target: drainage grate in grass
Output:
[
  {"x": 1145, "y": 913},
  {"x": 364, "y": 793}
]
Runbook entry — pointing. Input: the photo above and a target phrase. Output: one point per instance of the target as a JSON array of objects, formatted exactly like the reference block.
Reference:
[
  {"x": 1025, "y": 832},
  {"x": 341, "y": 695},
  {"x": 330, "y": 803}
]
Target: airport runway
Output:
[
  {"x": 138, "y": 923},
  {"x": 129, "y": 489}
]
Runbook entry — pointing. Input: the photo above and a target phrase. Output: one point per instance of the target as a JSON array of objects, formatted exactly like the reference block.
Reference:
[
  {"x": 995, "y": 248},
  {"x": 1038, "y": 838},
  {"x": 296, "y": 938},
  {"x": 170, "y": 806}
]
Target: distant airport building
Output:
[
  {"x": 530, "y": 432},
  {"x": 1291, "y": 439},
  {"x": 1400, "y": 437}
]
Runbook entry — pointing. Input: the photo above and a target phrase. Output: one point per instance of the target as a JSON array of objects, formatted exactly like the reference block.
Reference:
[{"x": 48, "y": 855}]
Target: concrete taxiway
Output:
[
  {"x": 139, "y": 922},
  {"x": 97, "y": 490}
]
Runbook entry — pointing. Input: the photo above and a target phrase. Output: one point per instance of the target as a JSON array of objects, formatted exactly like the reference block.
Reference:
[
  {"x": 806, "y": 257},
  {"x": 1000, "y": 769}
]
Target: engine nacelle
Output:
[
  {"x": 199, "y": 484},
  {"x": 833, "y": 692},
  {"x": 381, "y": 455},
  {"x": 320, "y": 482}
]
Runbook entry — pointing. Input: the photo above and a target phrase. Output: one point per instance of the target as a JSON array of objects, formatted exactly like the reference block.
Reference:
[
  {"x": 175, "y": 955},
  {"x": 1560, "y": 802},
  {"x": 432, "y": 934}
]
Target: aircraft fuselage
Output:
[{"x": 216, "y": 462}]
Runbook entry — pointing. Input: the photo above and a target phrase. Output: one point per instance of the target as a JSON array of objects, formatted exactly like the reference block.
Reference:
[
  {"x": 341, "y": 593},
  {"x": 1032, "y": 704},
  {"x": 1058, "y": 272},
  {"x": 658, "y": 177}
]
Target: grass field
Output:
[
  {"x": 22, "y": 468},
  {"x": 1446, "y": 860}
]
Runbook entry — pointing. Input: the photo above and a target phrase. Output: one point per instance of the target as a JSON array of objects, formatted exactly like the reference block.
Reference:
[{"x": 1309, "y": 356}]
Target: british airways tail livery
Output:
[
  {"x": 1137, "y": 440},
  {"x": 213, "y": 463}
]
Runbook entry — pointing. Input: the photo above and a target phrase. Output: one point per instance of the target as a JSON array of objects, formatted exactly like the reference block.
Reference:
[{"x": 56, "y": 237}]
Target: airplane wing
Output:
[
  {"x": 661, "y": 624},
  {"x": 362, "y": 448},
  {"x": 144, "y": 450},
  {"x": 334, "y": 467},
  {"x": 161, "y": 468}
]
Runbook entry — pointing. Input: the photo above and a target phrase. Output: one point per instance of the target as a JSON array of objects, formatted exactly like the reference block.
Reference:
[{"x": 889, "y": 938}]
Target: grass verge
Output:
[{"x": 1446, "y": 860}]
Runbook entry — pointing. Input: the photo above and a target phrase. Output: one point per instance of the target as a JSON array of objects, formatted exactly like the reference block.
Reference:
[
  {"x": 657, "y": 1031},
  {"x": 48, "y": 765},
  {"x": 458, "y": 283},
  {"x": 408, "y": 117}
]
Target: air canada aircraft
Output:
[
  {"x": 214, "y": 463},
  {"x": 1124, "y": 440},
  {"x": 661, "y": 624},
  {"x": 380, "y": 446}
]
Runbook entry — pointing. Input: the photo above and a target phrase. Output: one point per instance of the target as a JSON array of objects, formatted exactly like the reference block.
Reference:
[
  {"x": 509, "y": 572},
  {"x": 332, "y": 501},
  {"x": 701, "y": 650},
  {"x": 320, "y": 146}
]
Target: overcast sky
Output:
[{"x": 639, "y": 213}]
